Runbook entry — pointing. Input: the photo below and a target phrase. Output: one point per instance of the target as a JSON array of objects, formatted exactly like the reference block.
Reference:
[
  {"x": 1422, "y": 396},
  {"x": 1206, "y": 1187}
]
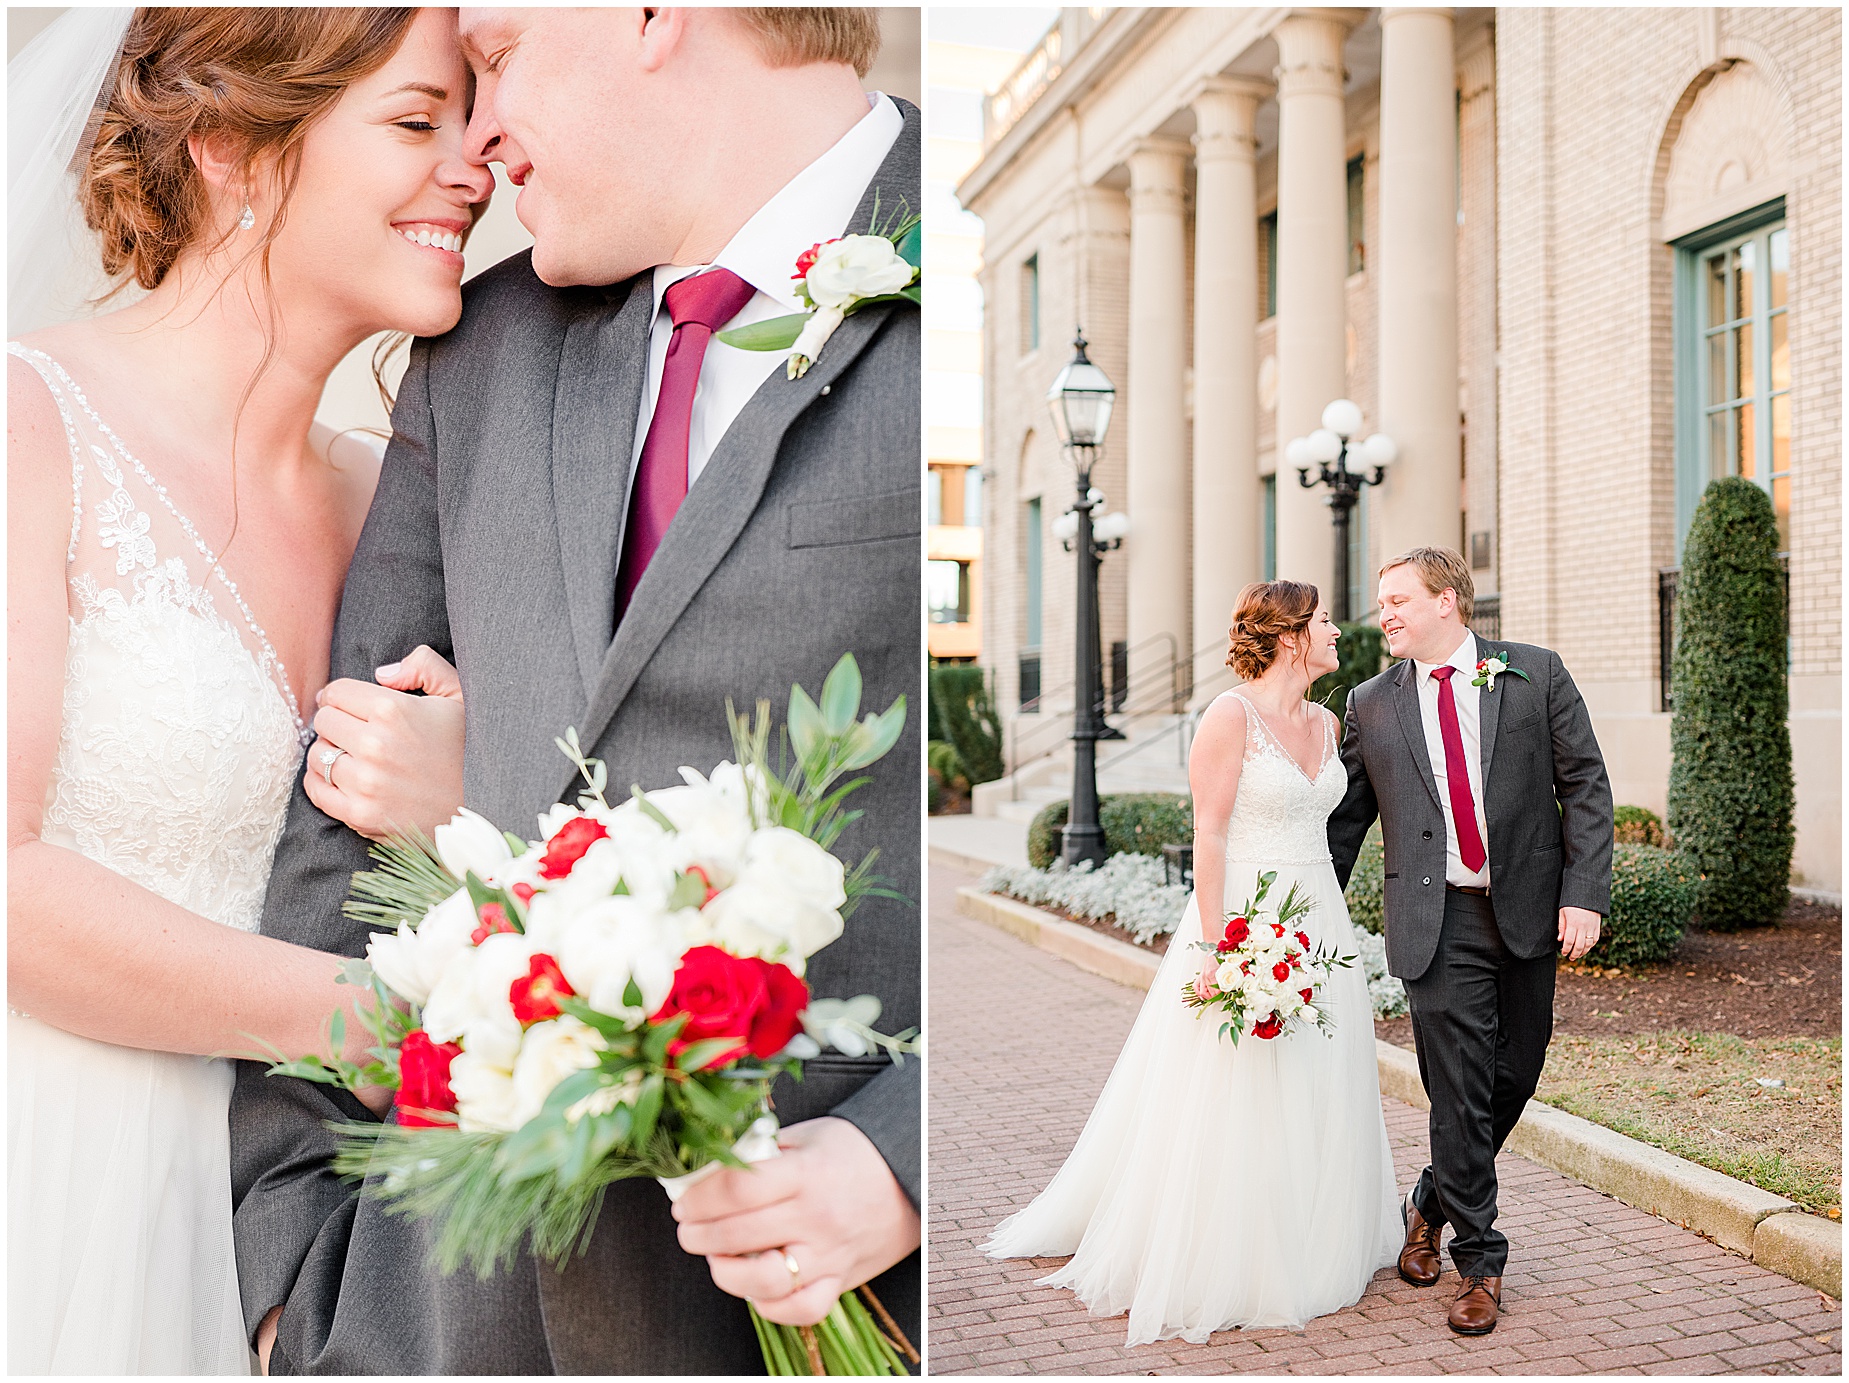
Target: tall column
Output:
[
  {"x": 1422, "y": 500},
  {"x": 1228, "y": 547},
  {"x": 1312, "y": 270},
  {"x": 1158, "y": 481}
]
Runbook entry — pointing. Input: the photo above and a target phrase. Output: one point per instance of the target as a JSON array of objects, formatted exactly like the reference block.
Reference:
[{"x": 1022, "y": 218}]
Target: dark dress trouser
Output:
[{"x": 1481, "y": 1020}]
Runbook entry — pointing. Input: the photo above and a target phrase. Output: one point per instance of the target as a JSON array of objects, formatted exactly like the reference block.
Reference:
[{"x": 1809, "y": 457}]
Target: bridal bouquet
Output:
[
  {"x": 1265, "y": 980},
  {"x": 614, "y": 999}
]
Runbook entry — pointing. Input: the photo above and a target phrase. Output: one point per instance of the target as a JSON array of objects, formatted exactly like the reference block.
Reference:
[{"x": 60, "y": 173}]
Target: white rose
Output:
[
  {"x": 469, "y": 841},
  {"x": 484, "y": 1093},
  {"x": 602, "y": 949},
  {"x": 803, "y": 867},
  {"x": 551, "y": 1051},
  {"x": 415, "y": 958},
  {"x": 856, "y": 266},
  {"x": 470, "y": 1001}
]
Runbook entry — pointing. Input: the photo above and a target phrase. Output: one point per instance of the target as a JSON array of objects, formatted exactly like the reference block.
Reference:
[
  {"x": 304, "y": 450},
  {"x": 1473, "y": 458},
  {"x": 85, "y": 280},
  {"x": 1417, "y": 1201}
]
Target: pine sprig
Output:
[{"x": 411, "y": 879}]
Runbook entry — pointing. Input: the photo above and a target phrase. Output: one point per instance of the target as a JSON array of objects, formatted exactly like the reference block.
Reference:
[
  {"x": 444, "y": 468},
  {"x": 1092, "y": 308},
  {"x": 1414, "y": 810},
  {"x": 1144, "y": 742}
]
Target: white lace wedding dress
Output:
[
  {"x": 1217, "y": 1186},
  {"x": 178, "y": 749}
]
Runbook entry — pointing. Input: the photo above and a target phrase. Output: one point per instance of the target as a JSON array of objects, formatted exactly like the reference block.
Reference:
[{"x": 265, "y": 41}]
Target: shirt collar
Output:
[
  {"x": 815, "y": 205},
  {"x": 1464, "y": 659}
]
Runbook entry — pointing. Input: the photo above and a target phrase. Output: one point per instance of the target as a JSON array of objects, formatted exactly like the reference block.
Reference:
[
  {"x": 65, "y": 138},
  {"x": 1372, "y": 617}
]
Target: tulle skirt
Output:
[
  {"x": 119, "y": 1251},
  {"x": 1217, "y": 1186}
]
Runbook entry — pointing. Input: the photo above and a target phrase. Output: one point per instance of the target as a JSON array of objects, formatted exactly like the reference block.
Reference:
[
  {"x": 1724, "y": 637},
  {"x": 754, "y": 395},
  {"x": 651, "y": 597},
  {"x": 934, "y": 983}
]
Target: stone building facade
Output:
[{"x": 1575, "y": 262}]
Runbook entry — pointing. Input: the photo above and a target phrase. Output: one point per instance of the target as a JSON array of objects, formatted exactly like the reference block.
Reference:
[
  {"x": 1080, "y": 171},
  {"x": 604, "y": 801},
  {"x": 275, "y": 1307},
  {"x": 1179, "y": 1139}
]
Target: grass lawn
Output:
[{"x": 1698, "y": 1095}]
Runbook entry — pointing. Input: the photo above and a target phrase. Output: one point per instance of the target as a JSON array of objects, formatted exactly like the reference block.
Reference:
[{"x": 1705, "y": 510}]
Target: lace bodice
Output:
[
  {"x": 180, "y": 737},
  {"x": 1280, "y": 816}
]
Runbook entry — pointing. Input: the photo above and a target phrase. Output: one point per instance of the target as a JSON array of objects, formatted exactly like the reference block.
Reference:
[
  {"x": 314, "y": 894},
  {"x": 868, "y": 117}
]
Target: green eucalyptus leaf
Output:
[
  {"x": 514, "y": 843},
  {"x": 689, "y": 891},
  {"x": 841, "y": 695},
  {"x": 807, "y": 732},
  {"x": 776, "y": 334},
  {"x": 697, "y": 1056}
]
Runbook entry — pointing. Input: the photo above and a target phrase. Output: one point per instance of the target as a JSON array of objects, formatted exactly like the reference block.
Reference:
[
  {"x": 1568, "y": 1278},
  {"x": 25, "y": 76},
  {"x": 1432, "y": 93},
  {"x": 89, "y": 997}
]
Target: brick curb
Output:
[{"x": 1754, "y": 1223}]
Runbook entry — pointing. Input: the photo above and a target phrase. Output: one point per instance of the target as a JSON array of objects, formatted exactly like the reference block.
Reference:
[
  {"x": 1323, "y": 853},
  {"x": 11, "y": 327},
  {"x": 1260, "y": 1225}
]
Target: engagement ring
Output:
[{"x": 327, "y": 758}]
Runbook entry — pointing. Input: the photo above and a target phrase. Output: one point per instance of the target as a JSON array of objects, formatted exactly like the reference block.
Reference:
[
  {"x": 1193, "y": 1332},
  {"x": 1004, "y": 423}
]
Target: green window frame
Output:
[
  {"x": 1733, "y": 361},
  {"x": 1032, "y": 642}
]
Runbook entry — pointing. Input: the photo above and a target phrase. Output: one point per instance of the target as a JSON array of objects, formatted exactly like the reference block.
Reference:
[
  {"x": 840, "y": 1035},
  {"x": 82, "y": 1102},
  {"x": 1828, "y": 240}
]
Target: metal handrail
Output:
[{"x": 1015, "y": 715}]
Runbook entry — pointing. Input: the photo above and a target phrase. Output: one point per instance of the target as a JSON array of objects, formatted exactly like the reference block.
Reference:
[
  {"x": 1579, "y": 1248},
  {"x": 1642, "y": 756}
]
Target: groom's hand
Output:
[
  {"x": 829, "y": 1202},
  {"x": 1579, "y": 932},
  {"x": 401, "y": 771}
]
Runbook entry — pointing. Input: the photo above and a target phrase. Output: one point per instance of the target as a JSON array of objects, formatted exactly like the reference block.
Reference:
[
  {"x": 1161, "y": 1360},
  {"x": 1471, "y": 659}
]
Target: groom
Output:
[
  {"x": 610, "y": 520},
  {"x": 1496, "y": 815}
]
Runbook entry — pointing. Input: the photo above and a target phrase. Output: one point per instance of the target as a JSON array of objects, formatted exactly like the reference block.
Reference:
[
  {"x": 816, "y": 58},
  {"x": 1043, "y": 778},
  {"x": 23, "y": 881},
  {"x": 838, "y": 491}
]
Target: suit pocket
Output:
[
  {"x": 1523, "y": 722},
  {"x": 856, "y": 519}
]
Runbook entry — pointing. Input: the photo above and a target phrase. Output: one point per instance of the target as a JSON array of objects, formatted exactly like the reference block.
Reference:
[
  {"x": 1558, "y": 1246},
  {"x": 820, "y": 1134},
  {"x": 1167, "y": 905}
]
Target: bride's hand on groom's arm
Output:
[
  {"x": 830, "y": 1202},
  {"x": 402, "y": 767}
]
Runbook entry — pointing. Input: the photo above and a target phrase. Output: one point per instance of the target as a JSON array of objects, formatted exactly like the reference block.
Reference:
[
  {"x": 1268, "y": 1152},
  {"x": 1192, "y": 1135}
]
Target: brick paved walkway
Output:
[{"x": 1021, "y": 1043}]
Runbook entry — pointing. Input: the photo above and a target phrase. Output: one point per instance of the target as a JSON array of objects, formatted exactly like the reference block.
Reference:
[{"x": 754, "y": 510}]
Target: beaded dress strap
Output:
[
  {"x": 70, "y": 433},
  {"x": 270, "y": 661}
]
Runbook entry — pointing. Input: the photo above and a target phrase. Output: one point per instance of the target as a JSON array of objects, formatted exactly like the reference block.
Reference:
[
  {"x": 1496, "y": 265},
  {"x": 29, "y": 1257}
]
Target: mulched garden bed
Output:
[{"x": 1779, "y": 981}]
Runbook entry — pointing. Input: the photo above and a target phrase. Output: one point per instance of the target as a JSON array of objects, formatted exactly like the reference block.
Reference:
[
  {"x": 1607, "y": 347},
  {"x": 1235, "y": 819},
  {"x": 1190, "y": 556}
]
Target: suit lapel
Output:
[
  {"x": 603, "y": 366},
  {"x": 1489, "y": 711},
  {"x": 1406, "y": 701},
  {"x": 732, "y": 484}
]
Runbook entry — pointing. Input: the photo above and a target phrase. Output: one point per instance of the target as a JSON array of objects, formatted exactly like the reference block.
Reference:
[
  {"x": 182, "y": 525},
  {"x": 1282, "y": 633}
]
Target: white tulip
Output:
[
  {"x": 469, "y": 841},
  {"x": 484, "y": 1093},
  {"x": 601, "y": 949},
  {"x": 415, "y": 958},
  {"x": 473, "y": 990}
]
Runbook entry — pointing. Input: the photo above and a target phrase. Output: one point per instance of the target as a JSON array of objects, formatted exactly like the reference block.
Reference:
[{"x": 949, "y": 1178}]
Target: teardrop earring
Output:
[{"x": 248, "y": 219}]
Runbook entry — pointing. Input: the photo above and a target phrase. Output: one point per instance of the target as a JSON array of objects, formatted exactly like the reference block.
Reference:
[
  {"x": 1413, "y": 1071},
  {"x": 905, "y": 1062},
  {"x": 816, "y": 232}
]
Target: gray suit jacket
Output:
[
  {"x": 1538, "y": 751},
  {"x": 494, "y": 538}
]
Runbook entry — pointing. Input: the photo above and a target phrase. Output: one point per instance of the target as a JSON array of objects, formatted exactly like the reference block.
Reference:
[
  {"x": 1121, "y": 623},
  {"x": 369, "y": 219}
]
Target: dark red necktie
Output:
[
  {"x": 1457, "y": 775},
  {"x": 698, "y": 306}
]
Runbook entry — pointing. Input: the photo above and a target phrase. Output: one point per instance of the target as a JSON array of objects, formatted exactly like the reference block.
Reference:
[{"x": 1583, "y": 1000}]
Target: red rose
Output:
[
  {"x": 567, "y": 847},
  {"x": 524, "y": 892},
  {"x": 806, "y": 260},
  {"x": 785, "y": 998},
  {"x": 721, "y": 994},
  {"x": 1278, "y": 927},
  {"x": 1303, "y": 941},
  {"x": 1237, "y": 930},
  {"x": 1268, "y": 1029},
  {"x": 1281, "y": 971},
  {"x": 493, "y": 919},
  {"x": 1306, "y": 995},
  {"x": 423, "y": 1086},
  {"x": 1245, "y": 967},
  {"x": 535, "y": 995},
  {"x": 1296, "y": 961}
]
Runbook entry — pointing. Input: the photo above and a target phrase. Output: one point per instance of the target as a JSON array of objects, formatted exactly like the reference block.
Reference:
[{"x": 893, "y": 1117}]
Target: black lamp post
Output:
[
  {"x": 1329, "y": 449},
  {"x": 1080, "y": 400}
]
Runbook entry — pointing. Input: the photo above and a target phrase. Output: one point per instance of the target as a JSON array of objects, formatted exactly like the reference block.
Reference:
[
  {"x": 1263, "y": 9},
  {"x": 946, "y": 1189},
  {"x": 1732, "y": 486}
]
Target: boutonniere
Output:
[
  {"x": 1492, "y": 667},
  {"x": 835, "y": 279}
]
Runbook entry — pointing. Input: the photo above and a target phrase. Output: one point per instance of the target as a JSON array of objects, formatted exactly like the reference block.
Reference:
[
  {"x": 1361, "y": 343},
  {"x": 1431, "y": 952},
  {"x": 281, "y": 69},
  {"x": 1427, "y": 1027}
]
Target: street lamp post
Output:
[
  {"x": 1329, "y": 449},
  {"x": 1080, "y": 400}
]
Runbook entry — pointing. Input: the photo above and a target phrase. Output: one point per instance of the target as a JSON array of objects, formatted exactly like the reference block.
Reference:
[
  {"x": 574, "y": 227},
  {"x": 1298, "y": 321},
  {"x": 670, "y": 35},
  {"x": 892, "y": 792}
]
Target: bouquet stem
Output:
[{"x": 845, "y": 1343}]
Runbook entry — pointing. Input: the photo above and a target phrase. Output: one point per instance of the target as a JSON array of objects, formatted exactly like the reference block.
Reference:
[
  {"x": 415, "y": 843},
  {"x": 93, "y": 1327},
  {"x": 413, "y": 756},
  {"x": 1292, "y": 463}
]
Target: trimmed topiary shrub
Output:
[
  {"x": 1141, "y": 823},
  {"x": 1730, "y": 782},
  {"x": 1653, "y": 892},
  {"x": 1366, "y": 892},
  {"x": 964, "y": 716},
  {"x": 1638, "y": 826},
  {"x": 1135, "y": 823},
  {"x": 1360, "y": 654}
]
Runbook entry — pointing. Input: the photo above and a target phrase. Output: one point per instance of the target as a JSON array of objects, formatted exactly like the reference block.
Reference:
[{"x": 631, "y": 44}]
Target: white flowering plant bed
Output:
[{"x": 1129, "y": 893}]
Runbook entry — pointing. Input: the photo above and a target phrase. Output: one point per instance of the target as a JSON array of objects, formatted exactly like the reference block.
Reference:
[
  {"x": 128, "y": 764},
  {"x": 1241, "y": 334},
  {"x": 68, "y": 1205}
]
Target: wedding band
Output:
[
  {"x": 796, "y": 1272},
  {"x": 328, "y": 757}
]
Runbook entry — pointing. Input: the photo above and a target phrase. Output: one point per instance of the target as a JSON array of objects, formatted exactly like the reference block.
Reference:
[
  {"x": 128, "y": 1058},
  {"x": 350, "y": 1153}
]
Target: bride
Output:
[
  {"x": 283, "y": 184},
  {"x": 1217, "y": 1186}
]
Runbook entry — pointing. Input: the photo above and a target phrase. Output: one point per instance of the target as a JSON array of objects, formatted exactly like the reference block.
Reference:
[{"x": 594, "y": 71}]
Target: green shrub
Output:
[
  {"x": 1135, "y": 823},
  {"x": 1366, "y": 893},
  {"x": 963, "y": 714},
  {"x": 1638, "y": 826},
  {"x": 1653, "y": 892},
  {"x": 1141, "y": 823},
  {"x": 1360, "y": 653},
  {"x": 1730, "y": 781},
  {"x": 945, "y": 765}
]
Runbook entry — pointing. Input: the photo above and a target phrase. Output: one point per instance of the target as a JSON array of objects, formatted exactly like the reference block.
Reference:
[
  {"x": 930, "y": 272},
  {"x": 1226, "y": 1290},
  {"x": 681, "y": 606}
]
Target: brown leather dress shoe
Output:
[
  {"x": 1475, "y": 1310},
  {"x": 1419, "y": 1260}
]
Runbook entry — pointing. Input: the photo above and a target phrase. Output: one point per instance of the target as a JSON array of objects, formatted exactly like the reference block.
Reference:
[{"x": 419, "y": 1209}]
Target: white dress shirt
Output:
[
  {"x": 814, "y": 205},
  {"x": 1469, "y": 727}
]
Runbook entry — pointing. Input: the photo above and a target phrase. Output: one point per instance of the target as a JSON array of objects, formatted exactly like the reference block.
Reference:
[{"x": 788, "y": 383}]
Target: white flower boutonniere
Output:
[
  {"x": 836, "y": 278},
  {"x": 1492, "y": 667}
]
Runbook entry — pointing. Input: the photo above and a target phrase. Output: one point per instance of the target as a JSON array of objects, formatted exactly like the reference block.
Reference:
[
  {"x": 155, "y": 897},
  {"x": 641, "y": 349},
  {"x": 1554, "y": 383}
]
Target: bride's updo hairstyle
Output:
[
  {"x": 257, "y": 77},
  {"x": 1264, "y": 613}
]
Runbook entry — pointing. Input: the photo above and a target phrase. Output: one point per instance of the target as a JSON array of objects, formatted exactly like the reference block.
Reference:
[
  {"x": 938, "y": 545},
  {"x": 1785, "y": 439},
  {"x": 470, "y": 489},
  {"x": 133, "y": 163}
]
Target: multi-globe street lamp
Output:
[
  {"x": 1329, "y": 448},
  {"x": 1080, "y": 400}
]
